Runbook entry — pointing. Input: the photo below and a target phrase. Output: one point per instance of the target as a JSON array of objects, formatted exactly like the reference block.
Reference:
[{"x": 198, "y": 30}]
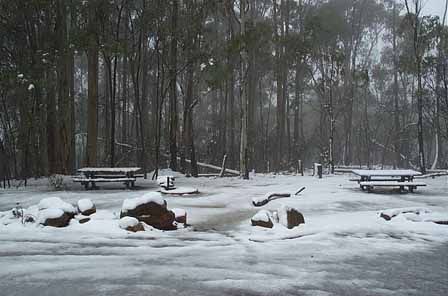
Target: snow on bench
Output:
[
  {"x": 390, "y": 183},
  {"x": 369, "y": 185},
  {"x": 103, "y": 179}
]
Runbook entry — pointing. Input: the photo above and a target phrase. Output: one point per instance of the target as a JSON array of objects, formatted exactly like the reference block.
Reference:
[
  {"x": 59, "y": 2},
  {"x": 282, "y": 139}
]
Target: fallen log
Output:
[
  {"x": 210, "y": 166},
  {"x": 261, "y": 201}
]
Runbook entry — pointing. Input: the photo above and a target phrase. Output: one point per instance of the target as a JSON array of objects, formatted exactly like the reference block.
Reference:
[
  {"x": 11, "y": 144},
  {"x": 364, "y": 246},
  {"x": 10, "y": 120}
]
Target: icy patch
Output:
[
  {"x": 155, "y": 197},
  {"x": 56, "y": 203}
]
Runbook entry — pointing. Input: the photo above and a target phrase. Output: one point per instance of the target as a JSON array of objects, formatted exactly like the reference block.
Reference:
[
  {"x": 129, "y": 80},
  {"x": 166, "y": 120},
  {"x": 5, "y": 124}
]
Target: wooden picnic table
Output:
[
  {"x": 387, "y": 178},
  {"x": 93, "y": 175}
]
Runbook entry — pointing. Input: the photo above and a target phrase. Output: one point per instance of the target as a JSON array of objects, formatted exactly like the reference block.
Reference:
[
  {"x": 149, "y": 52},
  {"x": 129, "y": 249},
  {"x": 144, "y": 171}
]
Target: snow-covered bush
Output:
[{"x": 56, "y": 182}]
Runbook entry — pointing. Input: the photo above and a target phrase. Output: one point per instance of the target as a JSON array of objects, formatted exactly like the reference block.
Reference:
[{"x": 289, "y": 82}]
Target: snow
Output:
[
  {"x": 161, "y": 180},
  {"x": 386, "y": 173},
  {"x": 85, "y": 204},
  {"x": 179, "y": 212},
  {"x": 262, "y": 216},
  {"x": 282, "y": 216},
  {"x": 180, "y": 191},
  {"x": 344, "y": 248},
  {"x": 20, "y": 76},
  {"x": 49, "y": 214},
  {"x": 126, "y": 222},
  {"x": 31, "y": 86},
  {"x": 155, "y": 197},
  {"x": 109, "y": 170},
  {"x": 56, "y": 203}
]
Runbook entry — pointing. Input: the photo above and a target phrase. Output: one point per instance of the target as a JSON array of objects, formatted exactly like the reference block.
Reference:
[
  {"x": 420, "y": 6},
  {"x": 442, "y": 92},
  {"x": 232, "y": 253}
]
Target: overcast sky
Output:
[{"x": 435, "y": 7}]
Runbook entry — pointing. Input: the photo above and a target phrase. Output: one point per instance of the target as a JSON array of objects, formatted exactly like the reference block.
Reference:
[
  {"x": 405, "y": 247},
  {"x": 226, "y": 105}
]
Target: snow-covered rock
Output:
[
  {"x": 150, "y": 208},
  {"x": 290, "y": 217},
  {"x": 55, "y": 212},
  {"x": 180, "y": 215},
  {"x": 140, "y": 204},
  {"x": 130, "y": 224},
  {"x": 86, "y": 207},
  {"x": 262, "y": 219},
  {"x": 391, "y": 213},
  {"x": 54, "y": 217},
  {"x": 180, "y": 191},
  {"x": 56, "y": 203},
  {"x": 166, "y": 181},
  {"x": 82, "y": 219}
]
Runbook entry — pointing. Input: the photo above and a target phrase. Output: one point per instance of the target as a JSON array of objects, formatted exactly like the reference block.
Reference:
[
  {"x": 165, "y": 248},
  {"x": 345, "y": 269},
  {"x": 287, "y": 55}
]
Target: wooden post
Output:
[
  {"x": 317, "y": 170},
  {"x": 223, "y": 169},
  {"x": 300, "y": 167}
]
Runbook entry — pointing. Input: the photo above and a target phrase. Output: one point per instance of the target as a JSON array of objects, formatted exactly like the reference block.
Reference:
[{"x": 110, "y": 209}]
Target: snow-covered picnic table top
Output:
[
  {"x": 108, "y": 170},
  {"x": 386, "y": 173}
]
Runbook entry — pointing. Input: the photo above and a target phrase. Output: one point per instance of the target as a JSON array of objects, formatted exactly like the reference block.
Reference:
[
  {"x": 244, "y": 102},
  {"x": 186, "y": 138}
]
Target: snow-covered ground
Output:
[{"x": 344, "y": 248}]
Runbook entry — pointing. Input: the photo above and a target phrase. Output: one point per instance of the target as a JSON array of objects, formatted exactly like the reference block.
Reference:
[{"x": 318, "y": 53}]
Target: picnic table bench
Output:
[
  {"x": 92, "y": 175},
  {"x": 387, "y": 178}
]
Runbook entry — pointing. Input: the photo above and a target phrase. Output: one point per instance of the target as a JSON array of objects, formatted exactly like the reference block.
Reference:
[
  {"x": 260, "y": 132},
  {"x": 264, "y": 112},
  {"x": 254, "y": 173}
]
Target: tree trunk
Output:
[
  {"x": 173, "y": 86},
  {"x": 244, "y": 170},
  {"x": 92, "y": 64}
]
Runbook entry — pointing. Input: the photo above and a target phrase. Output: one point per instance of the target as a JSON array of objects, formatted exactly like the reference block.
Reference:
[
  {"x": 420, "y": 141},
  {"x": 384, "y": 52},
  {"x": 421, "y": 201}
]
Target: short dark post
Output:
[
  {"x": 318, "y": 170},
  {"x": 300, "y": 167}
]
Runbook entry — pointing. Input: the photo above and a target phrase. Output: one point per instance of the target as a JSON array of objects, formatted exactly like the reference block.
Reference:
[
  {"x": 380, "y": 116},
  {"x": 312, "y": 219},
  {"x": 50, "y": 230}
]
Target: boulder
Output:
[
  {"x": 54, "y": 217},
  {"x": 180, "y": 215},
  {"x": 84, "y": 220},
  {"x": 55, "y": 212},
  {"x": 131, "y": 224},
  {"x": 86, "y": 207},
  {"x": 391, "y": 213},
  {"x": 57, "y": 203},
  {"x": 263, "y": 219},
  {"x": 290, "y": 217},
  {"x": 151, "y": 208}
]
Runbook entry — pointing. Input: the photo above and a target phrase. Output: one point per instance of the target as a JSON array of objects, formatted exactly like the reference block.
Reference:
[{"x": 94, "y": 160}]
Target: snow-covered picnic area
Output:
[{"x": 345, "y": 246}]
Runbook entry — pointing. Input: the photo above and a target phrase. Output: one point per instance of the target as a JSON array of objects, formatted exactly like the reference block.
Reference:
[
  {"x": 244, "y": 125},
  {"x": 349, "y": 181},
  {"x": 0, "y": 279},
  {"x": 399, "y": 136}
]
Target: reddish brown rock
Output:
[
  {"x": 263, "y": 219},
  {"x": 61, "y": 221},
  {"x": 165, "y": 221},
  {"x": 152, "y": 213},
  {"x": 84, "y": 220},
  {"x": 135, "y": 228},
  {"x": 180, "y": 215},
  {"x": 290, "y": 217}
]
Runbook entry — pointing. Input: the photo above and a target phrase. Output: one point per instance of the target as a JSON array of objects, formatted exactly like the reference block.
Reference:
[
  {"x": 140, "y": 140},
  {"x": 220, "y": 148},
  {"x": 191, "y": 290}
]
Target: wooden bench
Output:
[
  {"x": 129, "y": 182},
  {"x": 91, "y": 176},
  {"x": 368, "y": 179},
  {"x": 369, "y": 185}
]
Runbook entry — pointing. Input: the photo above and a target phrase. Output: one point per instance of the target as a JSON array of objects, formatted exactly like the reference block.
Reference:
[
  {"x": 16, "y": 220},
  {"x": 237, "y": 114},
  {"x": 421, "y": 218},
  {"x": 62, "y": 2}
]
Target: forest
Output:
[{"x": 263, "y": 83}]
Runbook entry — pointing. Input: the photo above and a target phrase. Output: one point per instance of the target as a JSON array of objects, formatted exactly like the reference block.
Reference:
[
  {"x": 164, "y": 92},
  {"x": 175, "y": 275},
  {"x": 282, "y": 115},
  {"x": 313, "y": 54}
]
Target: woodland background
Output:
[{"x": 152, "y": 83}]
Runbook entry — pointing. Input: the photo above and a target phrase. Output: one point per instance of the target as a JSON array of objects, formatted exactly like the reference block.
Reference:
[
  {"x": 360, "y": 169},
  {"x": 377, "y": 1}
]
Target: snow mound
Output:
[
  {"x": 179, "y": 212},
  {"x": 127, "y": 221},
  {"x": 85, "y": 204},
  {"x": 56, "y": 203},
  {"x": 263, "y": 216},
  {"x": 180, "y": 191},
  {"x": 391, "y": 213},
  {"x": 155, "y": 197},
  {"x": 51, "y": 213}
]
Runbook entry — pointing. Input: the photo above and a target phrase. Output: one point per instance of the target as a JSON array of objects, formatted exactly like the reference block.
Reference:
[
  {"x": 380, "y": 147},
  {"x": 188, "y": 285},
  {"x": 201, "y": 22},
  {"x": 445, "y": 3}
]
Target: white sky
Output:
[{"x": 434, "y": 7}]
